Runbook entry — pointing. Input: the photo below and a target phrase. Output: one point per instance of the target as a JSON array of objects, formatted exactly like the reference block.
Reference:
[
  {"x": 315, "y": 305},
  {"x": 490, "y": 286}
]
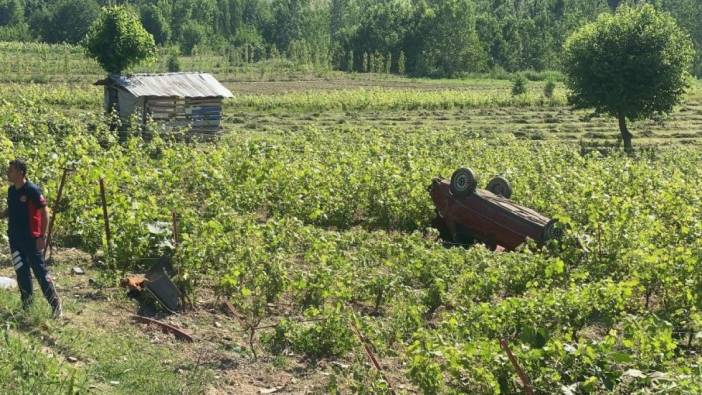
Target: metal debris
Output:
[
  {"x": 135, "y": 283},
  {"x": 177, "y": 332},
  {"x": 159, "y": 284}
]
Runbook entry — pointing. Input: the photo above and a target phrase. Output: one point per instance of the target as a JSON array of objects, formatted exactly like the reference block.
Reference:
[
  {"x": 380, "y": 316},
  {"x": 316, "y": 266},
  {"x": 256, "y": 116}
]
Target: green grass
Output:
[
  {"x": 481, "y": 106},
  {"x": 95, "y": 349},
  {"x": 27, "y": 369}
]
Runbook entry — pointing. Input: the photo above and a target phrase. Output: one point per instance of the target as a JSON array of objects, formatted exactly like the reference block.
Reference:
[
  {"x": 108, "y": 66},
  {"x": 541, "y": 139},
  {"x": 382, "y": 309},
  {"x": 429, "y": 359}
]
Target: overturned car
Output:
[{"x": 467, "y": 214}]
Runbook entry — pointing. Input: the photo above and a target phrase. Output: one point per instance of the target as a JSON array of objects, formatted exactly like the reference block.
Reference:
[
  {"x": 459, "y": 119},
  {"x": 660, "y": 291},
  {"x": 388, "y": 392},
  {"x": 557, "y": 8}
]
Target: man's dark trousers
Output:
[{"x": 25, "y": 255}]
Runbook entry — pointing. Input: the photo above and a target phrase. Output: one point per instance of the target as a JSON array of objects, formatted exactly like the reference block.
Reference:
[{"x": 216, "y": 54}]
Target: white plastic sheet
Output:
[{"x": 7, "y": 283}]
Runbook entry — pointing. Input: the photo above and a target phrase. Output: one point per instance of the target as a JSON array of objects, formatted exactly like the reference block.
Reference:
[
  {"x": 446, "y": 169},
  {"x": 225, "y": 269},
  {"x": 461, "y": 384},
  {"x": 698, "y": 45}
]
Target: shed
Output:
[{"x": 173, "y": 99}]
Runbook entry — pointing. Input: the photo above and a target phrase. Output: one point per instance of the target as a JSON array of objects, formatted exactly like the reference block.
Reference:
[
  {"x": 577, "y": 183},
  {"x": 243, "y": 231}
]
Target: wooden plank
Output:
[
  {"x": 168, "y": 113},
  {"x": 162, "y": 114},
  {"x": 168, "y": 102},
  {"x": 207, "y": 114},
  {"x": 171, "y": 108},
  {"x": 191, "y": 100},
  {"x": 205, "y": 130},
  {"x": 207, "y": 120},
  {"x": 207, "y": 124},
  {"x": 165, "y": 105},
  {"x": 213, "y": 105},
  {"x": 206, "y": 108}
]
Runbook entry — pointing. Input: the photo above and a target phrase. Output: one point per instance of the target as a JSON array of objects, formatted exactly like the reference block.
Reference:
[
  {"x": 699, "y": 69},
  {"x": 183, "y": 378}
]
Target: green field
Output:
[
  {"x": 310, "y": 216},
  {"x": 276, "y": 95}
]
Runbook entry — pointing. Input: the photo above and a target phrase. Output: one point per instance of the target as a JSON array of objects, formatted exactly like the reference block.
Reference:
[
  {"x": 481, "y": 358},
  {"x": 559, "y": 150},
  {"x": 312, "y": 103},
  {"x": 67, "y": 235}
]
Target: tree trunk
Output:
[{"x": 626, "y": 136}]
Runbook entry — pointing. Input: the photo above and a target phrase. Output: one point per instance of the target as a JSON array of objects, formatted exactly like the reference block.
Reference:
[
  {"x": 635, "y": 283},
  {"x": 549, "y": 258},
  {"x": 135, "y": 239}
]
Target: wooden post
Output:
[
  {"x": 176, "y": 238},
  {"x": 185, "y": 299},
  {"x": 522, "y": 376},
  {"x": 371, "y": 356},
  {"x": 53, "y": 216},
  {"x": 105, "y": 216}
]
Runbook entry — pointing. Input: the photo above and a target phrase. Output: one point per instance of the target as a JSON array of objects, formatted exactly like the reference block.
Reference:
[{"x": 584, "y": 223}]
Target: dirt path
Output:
[{"x": 98, "y": 337}]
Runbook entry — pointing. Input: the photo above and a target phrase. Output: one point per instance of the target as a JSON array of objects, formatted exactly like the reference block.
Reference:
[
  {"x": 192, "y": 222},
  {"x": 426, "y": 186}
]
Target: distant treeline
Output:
[{"x": 416, "y": 37}]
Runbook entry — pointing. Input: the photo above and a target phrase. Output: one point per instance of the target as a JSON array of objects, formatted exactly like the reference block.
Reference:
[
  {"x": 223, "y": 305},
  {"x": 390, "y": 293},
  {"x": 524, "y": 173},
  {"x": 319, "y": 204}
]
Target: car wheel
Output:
[
  {"x": 500, "y": 186},
  {"x": 553, "y": 230},
  {"x": 463, "y": 182}
]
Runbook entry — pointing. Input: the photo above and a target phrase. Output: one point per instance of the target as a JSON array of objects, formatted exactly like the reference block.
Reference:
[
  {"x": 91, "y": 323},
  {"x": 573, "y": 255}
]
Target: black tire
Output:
[
  {"x": 463, "y": 182},
  {"x": 500, "y": 186},
  {"x": 552, "y": 231}
]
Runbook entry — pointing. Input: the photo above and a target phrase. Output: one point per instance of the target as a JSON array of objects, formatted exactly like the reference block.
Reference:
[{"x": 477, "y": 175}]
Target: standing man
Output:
[{"x": 28, "y": 224}]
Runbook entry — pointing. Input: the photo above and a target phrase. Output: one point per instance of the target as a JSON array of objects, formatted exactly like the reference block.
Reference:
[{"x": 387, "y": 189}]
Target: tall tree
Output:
[
  {"x": 193, "y": 34},
  {"x": 631, "y": 65},
  {"x": 156, "y": 23},
  {"x": 288, "y": 21},
  {"x": 68, "y": 20},
  {"x": 11, "y": 12},
  {"x": 381, "y": 26},
  {"x": 118, "y": 40},
  {"x": 449, "y": 41}
]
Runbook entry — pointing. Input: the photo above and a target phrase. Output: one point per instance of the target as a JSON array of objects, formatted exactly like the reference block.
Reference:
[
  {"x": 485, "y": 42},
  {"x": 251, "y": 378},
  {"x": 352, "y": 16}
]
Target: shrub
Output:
[
  {"x": 519, "y": 85},
  {"x": 549, "y": 88},
  {"x": 173, "y": 63}
]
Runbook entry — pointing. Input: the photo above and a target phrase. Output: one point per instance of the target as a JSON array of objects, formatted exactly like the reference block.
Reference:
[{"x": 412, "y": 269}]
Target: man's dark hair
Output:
[{"x": 20, "y": 165}]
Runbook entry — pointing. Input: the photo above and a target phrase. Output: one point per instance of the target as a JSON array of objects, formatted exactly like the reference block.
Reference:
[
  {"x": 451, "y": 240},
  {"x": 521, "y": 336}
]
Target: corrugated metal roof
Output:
[{"x": 171, "y": 84}]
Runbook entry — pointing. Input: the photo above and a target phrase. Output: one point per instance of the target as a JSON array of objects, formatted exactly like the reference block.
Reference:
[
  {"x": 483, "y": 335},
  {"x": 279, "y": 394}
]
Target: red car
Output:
[{"x": 466, "y": 214}]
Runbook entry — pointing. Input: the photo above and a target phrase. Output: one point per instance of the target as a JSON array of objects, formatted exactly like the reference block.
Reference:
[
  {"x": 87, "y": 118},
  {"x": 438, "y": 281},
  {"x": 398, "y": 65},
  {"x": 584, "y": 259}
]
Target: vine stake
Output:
[
  {"x": 371, "y": 356},
  {"x": 175, "y": 230},
  {"x": 48, "y": 246},
  {"x": 106, "y": 218},
  {"x": 526, "y": 383}
]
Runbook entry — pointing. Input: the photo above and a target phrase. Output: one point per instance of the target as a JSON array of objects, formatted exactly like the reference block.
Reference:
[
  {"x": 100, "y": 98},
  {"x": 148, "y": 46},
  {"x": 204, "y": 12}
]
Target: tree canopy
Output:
[
  {"x": 434, "y": 38},
  {"x": 448, "y": 40},
  {"x": 118, "y": 40},
  {"x": 11, "y": 12},
  {"x": 631, "y": 64},
  {"x": 67, "y": 21}
]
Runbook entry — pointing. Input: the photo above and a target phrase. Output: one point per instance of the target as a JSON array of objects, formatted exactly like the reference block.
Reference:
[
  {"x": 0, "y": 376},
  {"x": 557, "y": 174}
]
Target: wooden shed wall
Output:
[{"x": 203, "y": 115}]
